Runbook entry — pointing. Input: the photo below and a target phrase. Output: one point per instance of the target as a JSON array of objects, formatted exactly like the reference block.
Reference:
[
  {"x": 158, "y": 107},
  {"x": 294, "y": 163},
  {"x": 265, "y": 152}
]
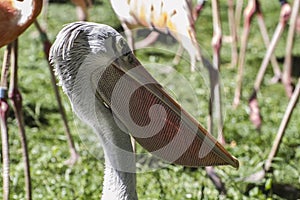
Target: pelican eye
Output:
[
  {"x": 122, "y": 46},
  {"x": 121, "y": 43}
]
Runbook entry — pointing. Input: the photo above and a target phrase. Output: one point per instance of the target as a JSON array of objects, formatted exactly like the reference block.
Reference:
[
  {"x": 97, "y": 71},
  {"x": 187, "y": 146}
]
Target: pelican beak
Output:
[{"x": 156, "y": 121}]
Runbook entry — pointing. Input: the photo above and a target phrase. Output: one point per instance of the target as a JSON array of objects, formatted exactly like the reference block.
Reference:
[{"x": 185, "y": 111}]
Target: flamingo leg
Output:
[
  {"x": 248, "y": 14},
  {"x": 220, "y": 186},
  {"x": 47, "y": 44},
  {"x": 150, "y": 39},
  {"x": 238, "y": 14},
  {"x": 278, "y": 31},
  {"x": 280, "y": 133},
  {"x": 287, "y": 66},
  {"x": 197, "y": 9},
  {"x": 178, "y": 55},
  {"x": 3, "y": 122},
  {"x": 266, "y": 40},
  {"x": 5, "y": 147},
  {"x": 215, "y": 80},
  {"x": 44, "y": 14},
  {"x": 16, "y": 98},
  {"x": 253, "y": 104},
  {"x": 283, "y": 125},
  {"x": 129, "y": 35},
  {"x": 255, "y": 116},
  {"x": 233, "y": 33},
  {"x": 252, "y": 7},
  {"x": 82, "y": 9},
  {"x": 215, "y": 93}
]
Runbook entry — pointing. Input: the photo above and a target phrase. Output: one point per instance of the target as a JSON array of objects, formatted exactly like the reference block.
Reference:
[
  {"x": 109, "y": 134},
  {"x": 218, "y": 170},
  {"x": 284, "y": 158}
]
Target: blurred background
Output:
[{"x": 47, "y": 143}]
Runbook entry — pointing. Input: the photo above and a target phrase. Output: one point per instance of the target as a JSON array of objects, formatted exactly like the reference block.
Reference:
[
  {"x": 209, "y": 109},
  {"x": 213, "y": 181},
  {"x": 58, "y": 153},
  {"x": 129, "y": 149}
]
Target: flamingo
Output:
[
  {"x": 258, "y": 176},
  {"x": 112, "y": 92},
  {"x": 165, "y": 16},
  {"x": 192, "y": 12},
  {"x": 252, "y": 8},
  {"x": 286, "y": 12},
  {"x": 233, "y": 32},
  {"x": 287, "y": 65},
  {"x": 15, "y": 17},
  {"x": 255, "y": 116}
]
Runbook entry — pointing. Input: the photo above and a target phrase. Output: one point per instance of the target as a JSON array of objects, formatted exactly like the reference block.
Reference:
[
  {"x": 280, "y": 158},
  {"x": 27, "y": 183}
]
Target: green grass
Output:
[{"x": 48, "y": 148}]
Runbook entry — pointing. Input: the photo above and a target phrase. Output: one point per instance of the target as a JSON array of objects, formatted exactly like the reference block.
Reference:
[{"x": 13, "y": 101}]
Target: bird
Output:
[
  {"x": 252, "y": 7},
  {"x": 164, "y": 16},
  {"x": 267, "y": 167},
  {"x": 287, "y": 65},
  {"x": 178, "y": 19},
  {"x": 15, "y": 17},
  {"x": 111, "y": 91},
  {"x": 255, "y": 115}
]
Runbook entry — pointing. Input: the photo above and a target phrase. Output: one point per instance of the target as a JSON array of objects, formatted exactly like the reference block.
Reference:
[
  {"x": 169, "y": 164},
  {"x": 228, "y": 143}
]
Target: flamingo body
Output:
[
  {"x": 15, "y": 17},
  {"x": 174, "y": 17}
]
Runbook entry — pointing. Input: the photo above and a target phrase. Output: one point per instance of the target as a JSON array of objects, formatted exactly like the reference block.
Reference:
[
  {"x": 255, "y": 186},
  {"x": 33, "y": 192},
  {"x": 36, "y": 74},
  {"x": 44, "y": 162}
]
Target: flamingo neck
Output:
[{"x": 27, "y": 10}]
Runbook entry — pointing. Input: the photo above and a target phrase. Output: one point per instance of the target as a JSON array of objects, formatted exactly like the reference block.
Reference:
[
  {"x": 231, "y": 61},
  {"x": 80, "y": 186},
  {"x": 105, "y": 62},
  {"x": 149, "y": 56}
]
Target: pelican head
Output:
[{"x": 111, "y": 91}]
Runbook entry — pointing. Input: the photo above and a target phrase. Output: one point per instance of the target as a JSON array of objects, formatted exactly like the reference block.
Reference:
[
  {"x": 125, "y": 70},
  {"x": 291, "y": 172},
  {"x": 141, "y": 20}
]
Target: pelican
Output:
[{"x": 112, "y": 92}]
